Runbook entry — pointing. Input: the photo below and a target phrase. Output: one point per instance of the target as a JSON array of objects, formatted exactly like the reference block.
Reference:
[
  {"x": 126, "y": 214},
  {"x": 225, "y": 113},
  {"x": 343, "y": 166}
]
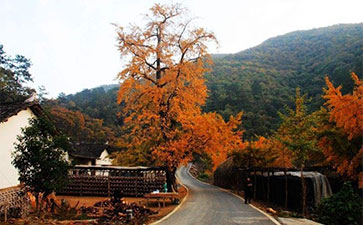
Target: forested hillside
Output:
[
  {"x": 260, "y": 80},
  {"x": 100, "y": 103},
  {"x": 88, "y": 116}
]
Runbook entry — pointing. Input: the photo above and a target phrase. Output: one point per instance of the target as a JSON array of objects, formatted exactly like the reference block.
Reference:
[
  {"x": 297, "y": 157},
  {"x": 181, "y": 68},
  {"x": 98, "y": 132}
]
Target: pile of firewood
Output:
[{"x": 108, "y": 212}]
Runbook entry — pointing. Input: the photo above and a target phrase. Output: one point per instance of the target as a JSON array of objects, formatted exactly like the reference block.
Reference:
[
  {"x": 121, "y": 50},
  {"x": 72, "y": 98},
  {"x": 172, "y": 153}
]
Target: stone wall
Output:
[{"x": 14, "y": 201}]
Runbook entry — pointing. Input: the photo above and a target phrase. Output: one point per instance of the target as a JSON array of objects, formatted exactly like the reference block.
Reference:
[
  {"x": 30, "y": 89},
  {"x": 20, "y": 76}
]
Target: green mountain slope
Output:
[
  {"x": 99, "y": 103},
  {"x": 261, "y": 80}
]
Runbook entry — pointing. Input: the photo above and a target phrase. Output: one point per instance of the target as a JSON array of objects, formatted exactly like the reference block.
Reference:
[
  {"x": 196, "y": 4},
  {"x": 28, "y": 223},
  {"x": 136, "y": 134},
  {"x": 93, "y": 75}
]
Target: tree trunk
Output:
[
  {"x": 158, "y": 72},
  {"x": 268, "y": 186},
  {"x": 286, "y": 189},
  {"x": 170, "y": 179},
  {"x": 238, "y": 182},
  {"x": 37, "y": 202},
  {"x": 303, "y": 186},
  {"x": 44, "y": 198},
  {"x": 255, "y": 186}
]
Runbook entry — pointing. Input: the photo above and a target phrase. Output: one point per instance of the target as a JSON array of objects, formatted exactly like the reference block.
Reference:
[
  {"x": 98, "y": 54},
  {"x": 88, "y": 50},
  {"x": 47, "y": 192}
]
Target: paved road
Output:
[{"x": 208, "y": 205}]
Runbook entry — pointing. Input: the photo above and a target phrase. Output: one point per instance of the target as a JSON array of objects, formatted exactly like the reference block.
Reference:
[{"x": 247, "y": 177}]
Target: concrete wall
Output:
[{"x": 9, "y": 130}]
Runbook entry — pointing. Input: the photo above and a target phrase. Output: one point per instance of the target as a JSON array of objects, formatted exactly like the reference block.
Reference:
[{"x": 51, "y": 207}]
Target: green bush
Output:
[
  {"x": 344, "y": 207},
  {"x": 203, "y": 177}
]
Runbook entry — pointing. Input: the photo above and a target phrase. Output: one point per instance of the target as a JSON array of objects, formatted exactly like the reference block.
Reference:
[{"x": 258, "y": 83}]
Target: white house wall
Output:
[
  {"x": 104, "y": 159},
  {"x": 9, "y": 130}
]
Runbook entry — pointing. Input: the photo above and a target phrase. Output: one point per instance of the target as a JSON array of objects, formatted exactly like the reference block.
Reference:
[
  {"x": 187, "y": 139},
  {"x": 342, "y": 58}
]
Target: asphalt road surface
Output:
[{"x": 208, "y": 205}]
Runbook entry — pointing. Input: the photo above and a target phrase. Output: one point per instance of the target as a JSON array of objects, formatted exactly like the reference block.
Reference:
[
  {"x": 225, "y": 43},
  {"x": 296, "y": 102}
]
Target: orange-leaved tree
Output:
[
  {"x": 342, "y": 143},
  {"x": 163, "y": 88},
  {"x": 258, "y": 153},
  {"x": 346, "y": 110}
]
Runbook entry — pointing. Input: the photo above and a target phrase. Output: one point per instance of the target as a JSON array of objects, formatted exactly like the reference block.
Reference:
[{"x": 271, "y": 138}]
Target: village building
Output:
[
  {"x": 13, "y": 117},
  {"x": 90, "y": 154}
]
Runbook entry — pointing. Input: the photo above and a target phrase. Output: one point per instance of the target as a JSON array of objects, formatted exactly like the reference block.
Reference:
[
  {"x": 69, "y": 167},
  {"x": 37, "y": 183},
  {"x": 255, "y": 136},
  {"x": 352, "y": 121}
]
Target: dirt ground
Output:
[
  {"x": 168, "y": 206},
  {"x": 153, "y": 204},
  {"x": 90, "y": 201}
]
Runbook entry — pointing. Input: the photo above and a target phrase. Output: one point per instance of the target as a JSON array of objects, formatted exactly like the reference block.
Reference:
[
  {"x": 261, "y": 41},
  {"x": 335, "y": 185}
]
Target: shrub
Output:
[
  {"x": 39, "y": 158},
  {"x": 203, "y": 177},
  {"x": 344, "y": 207}
]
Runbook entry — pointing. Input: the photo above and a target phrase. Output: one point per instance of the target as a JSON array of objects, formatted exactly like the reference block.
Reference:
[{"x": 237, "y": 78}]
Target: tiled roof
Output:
[
  {"x": 87, "y": 150},
  {"x": 10, "y": 109}
]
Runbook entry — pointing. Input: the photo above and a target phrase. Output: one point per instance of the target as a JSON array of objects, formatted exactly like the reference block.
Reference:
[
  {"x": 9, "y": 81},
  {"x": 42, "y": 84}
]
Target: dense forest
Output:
[{"x": 259, "y": 81}]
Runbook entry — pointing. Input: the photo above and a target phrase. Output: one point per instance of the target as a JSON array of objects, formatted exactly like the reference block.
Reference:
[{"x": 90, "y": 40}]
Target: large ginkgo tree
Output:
[{"x": 163, "y": 88}]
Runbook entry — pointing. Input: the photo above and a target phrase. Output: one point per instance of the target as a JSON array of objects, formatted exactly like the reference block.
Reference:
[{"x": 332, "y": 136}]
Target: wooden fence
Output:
[
  {"x": 284, "y": 190},
  {"x": 104, "y": 181},
  {"x": 14, "y": 202}
]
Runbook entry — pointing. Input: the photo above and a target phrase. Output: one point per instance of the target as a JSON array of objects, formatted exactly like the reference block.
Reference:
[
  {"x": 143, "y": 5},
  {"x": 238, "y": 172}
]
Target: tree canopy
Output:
[
  {"x": 39, "y": 157},
  {"x": 14, "y": 74},
  {"x": 163, "y": 88},
  {"x": 80, "y": 127},
  {"x": 343, "y": 134}
]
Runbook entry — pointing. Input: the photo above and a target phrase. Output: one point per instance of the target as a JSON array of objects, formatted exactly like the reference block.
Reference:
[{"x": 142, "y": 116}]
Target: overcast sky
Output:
[{"x": 72, "y": 44}]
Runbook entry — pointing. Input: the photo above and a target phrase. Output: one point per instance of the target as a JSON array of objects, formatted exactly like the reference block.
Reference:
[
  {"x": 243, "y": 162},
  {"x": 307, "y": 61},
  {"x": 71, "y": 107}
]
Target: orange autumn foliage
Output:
[
  {"x": 283, "y": 157},
  {"x": 80, "y": 127},
  {"x": 346, "y": 111},
  {"x": 163, "y": 88},
  {"x": 263, "y": 153},
  {"x": 346, "y": 163},
  {"x": 209, "y": 133}
]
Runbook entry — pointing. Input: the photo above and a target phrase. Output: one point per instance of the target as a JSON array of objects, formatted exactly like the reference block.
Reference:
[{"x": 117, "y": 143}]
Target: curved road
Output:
[{"x": 207, "y": 205}]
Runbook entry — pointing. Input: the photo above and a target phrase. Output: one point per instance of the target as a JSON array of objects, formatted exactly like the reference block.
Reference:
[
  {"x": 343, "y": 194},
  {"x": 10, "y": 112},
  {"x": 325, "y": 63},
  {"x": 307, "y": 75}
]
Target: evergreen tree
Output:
[
  {"x": 39, "y": 158},
  {"x": 14, "y": 73}
]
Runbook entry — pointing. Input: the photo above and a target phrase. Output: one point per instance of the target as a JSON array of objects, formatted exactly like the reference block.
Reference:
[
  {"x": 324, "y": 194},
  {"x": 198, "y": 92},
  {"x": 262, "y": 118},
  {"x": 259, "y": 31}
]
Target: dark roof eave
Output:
[
  {"x": 82, "y": 156},
  {"x": 11, "y": 109}
]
